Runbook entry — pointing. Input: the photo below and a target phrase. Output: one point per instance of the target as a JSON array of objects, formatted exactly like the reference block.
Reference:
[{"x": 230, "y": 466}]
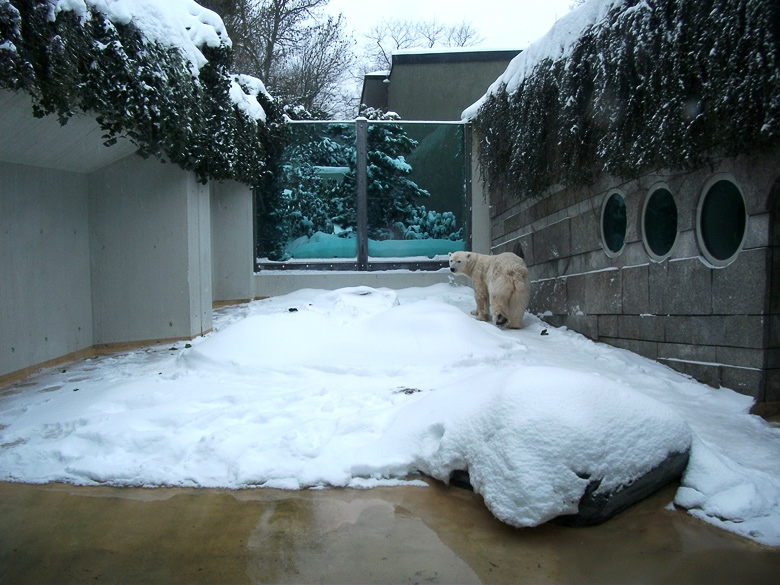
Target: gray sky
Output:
[{"x": 502, "y": 23}]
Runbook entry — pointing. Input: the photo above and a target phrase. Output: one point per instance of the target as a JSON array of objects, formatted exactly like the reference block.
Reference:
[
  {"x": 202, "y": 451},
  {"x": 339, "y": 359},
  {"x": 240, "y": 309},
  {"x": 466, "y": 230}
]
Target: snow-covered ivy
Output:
[
  {"x": 655, "y": 84},
  {"x": 196, "y": 116}
]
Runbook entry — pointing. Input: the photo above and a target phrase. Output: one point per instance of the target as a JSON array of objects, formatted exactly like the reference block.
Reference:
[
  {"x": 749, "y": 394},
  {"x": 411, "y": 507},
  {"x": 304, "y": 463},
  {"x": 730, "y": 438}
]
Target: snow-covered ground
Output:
[{"x": 362, "y": 387}]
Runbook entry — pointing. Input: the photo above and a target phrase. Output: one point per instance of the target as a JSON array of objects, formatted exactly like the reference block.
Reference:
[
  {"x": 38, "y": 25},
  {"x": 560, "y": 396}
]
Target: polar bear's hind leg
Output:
[{"x": 500, "y": 314}]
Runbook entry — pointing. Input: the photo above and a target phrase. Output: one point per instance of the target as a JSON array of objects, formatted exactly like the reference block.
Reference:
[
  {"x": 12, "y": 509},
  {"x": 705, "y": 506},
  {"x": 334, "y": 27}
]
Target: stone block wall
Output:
[{"x": 719, "y": 324}]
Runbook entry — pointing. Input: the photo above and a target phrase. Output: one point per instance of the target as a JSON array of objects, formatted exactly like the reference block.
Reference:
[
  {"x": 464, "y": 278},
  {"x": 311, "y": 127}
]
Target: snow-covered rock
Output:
[{"x": 534, "y": 439}]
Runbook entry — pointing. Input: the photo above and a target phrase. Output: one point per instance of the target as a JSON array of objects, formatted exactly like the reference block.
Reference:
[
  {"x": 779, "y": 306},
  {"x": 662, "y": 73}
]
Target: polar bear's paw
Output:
[{"x": 501, "y": 321}]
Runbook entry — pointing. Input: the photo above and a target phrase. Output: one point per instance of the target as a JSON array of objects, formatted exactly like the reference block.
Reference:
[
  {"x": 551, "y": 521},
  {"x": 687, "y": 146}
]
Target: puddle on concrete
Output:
[
  {"x": 327, "y": 541},
  {"x": 66, "y": 534}
]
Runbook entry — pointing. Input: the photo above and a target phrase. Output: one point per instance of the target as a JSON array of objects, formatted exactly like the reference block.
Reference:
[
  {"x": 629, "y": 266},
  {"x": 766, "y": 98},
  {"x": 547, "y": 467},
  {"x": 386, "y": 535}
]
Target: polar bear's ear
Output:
[
  {"x": 468, "y": 255},
  {"x": 449, "y": 254}
]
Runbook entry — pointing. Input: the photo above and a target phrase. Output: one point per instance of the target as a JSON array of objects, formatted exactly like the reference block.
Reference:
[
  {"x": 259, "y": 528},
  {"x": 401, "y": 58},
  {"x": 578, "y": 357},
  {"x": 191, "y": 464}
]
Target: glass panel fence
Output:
[
  {"x": 308, "y": 212},
  {"x": 416, "y": 189},
  {"x": 416, "y": 194}
]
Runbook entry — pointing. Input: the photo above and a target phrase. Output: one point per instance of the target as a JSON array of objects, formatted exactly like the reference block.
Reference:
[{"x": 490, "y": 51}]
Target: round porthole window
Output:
[
  {"x": 659, "y": 222},
  {"x": 721, "y": 221},
  {"x": 613, "y": 224}
]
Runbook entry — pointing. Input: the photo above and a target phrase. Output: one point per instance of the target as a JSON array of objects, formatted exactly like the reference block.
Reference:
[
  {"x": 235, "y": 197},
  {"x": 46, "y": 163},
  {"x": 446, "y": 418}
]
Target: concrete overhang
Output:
[{"x": 42, "y": 142}]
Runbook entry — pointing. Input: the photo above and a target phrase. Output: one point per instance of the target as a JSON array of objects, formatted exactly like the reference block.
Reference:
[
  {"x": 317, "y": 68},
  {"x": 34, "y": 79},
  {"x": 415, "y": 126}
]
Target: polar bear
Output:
[{"x": 500, "y": 282}]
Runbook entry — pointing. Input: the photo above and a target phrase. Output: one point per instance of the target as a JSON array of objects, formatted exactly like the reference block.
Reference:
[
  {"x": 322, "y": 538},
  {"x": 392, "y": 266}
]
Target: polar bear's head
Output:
[{"x": 458, "y": 261}]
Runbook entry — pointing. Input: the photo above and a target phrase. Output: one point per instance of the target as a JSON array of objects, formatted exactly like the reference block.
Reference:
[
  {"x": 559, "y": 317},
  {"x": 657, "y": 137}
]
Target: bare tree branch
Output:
[
  {"x": 392, "y": 35},
  {"x": 463, "y": 35},
  {"x": 311, "y": 75}
]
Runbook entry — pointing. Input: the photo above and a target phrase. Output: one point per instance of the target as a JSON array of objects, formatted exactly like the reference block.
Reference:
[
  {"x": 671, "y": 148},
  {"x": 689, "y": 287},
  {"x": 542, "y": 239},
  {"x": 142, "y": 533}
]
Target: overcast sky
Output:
[{"x": 502, "y": 23}]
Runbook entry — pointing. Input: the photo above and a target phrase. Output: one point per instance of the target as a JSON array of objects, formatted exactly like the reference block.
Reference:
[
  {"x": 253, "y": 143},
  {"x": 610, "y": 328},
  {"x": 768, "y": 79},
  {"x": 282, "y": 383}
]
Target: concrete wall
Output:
[
  {"x": 232, "y": 256},
  {"x": 118, "y": 256},
  {"x": 100, "y": 246},
  {"x": 715, "y": 324},
  {"x": 480, "y": 207},
  {"x": 45, "y": 308},
  {"x": 149, "y": 251},
  {"x": 375, "y": 90},
  {"x": 270, "y": 283},
  {"x": 199, "y": 246}
]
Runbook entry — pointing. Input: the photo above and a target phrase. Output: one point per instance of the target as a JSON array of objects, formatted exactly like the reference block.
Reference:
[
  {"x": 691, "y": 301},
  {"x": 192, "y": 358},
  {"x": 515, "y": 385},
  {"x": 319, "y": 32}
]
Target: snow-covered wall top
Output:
[
  {"x": 175, "y": 23},
  {"x": 153, "y": 71},
  {"x": 554, "y": 45},
  {"x": 627, "y": 86}
]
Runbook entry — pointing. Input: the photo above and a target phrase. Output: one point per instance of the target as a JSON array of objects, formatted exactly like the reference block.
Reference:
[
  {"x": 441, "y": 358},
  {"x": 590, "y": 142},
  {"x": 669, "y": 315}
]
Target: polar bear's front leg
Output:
[{"x": 483, "y": 303}]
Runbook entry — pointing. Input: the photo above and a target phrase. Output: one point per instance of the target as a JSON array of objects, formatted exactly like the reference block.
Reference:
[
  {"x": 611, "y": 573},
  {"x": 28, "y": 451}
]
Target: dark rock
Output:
[
  {"x": 596, "y": 508},
  {"x": 461, "y": 479}
]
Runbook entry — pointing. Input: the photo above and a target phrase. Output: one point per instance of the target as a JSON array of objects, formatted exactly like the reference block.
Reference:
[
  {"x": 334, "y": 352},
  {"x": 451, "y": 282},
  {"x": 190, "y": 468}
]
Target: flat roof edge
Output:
[{"x": 455, "y": 57}]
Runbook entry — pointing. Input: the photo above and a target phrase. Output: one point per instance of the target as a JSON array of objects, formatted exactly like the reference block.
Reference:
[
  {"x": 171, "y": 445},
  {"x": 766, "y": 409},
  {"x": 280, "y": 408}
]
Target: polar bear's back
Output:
[{"x": 508, "y": 264}]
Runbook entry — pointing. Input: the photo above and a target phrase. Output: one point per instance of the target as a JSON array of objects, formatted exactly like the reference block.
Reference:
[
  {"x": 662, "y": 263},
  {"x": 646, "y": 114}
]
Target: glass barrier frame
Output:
[{"x": 362, "y": 261}]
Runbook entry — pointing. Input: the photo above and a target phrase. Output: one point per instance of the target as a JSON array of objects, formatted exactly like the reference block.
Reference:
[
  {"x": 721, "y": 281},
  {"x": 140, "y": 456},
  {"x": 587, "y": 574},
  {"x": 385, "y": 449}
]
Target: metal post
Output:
[
  {"x": 467, "y": 137},
  {"x": 361, "y": 180}
]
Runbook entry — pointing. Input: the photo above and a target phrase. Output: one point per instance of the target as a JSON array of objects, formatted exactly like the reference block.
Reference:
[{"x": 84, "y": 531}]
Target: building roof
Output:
[
  {"x": 434, "y": 84},
  {"x": 450, "y": 55}
]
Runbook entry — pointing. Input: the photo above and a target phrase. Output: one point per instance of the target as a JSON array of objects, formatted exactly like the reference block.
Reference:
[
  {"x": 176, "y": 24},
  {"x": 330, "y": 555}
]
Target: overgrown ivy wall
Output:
[
  {"x": 661, "y": 84},
  {"x": 137, "y": 89}
]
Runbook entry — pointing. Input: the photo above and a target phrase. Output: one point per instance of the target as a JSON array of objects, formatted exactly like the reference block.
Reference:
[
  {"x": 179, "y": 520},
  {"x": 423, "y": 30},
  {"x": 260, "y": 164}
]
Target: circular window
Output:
[
  {"x": 613, "y": 224},
  {"x": 721, "y": 221},
  {"x": 659, "y": 222}
]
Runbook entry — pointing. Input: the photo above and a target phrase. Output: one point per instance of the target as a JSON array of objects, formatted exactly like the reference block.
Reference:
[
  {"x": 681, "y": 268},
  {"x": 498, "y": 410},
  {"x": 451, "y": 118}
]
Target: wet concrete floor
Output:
[{"x": 64, "y": 534}]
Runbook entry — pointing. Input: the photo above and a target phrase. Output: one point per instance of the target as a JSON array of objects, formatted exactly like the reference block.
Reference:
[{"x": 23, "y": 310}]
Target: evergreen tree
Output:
[
  {"x": 303, "y": 205},
  {"x": 392, "y": 195}
]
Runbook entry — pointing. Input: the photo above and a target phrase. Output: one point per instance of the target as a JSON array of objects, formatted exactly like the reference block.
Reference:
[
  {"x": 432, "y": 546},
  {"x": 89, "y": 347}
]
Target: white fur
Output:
[{"x": 500, "y": 283}]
